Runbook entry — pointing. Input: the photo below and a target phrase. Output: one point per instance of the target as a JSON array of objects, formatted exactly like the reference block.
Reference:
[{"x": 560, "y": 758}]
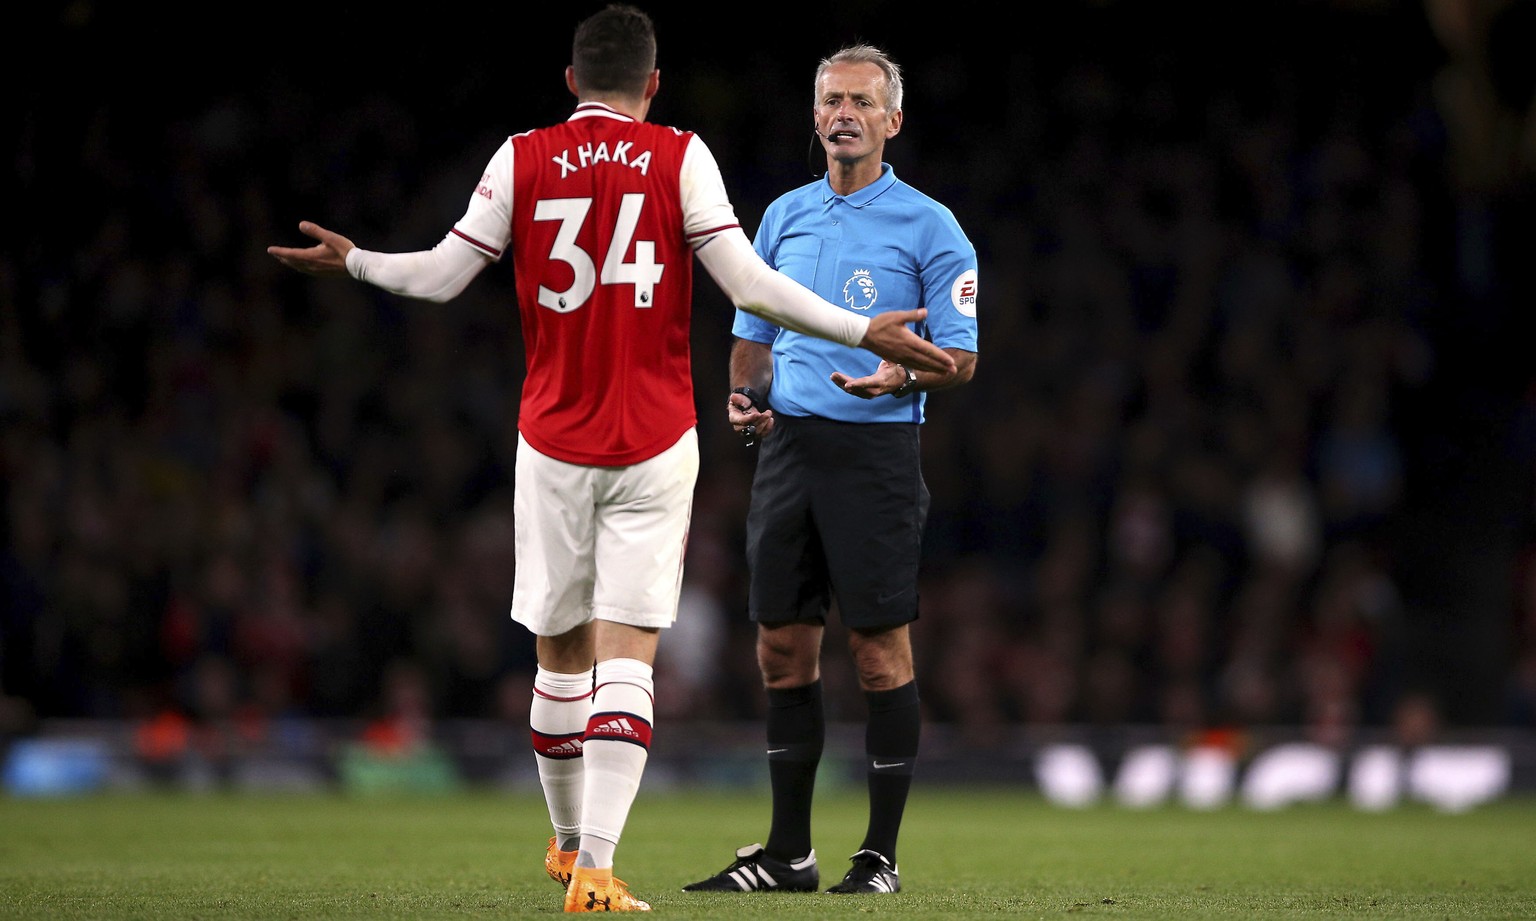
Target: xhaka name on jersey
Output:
[{"x": 588, "y": 155}]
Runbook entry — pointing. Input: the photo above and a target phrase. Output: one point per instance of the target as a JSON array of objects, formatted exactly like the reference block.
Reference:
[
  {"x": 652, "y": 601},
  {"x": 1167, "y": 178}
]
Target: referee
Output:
[{"x": 838, "y": 500}]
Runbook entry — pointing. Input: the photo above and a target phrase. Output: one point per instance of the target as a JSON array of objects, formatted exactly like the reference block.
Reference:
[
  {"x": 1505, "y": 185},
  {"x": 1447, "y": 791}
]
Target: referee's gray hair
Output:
[{"x": 869, "y": 54}]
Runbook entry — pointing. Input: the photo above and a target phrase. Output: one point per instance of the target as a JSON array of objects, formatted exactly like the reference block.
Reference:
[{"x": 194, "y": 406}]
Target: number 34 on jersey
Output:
[{"x": 644, "y": 272}]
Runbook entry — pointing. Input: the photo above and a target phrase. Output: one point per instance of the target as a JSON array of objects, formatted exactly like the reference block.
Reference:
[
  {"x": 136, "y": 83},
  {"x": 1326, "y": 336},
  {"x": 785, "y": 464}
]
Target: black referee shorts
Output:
[{"x": 837, "y": 511}]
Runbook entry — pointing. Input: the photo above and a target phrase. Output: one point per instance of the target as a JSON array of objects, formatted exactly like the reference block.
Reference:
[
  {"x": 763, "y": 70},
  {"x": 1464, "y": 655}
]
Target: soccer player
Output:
[
  {"x": 603, "y": 215},
  {"x": 838, "y": 501}
]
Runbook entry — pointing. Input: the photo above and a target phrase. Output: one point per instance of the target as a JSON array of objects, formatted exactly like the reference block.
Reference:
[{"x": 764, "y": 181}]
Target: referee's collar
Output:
[{"x": 865, "y": 195}]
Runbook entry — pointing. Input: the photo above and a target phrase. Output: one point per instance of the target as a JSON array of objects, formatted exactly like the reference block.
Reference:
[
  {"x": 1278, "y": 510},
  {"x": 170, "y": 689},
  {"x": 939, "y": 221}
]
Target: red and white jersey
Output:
[{"x": 602, "y": 214}]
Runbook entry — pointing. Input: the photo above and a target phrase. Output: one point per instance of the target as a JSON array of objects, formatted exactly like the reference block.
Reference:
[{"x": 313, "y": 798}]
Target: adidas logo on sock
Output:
[
  {"x": 564, "y": 745},
  {"x": 619, "y": 726}
]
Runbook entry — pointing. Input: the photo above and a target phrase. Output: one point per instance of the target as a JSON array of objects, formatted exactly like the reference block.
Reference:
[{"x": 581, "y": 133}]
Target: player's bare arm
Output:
[{"x": 327, "y": 257}]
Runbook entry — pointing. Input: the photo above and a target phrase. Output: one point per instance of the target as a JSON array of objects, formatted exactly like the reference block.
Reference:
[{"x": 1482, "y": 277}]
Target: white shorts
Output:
[{"x": 601, "y": 543}]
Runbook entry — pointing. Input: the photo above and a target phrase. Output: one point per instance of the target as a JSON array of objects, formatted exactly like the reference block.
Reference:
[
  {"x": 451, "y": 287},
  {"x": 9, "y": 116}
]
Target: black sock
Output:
[
  {"x": 797, "y": 730},
  {"x": 890, "y": 741}
]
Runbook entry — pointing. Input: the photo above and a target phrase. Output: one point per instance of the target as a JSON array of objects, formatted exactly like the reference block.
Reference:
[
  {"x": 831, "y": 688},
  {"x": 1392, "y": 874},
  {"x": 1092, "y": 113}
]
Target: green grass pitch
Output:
[{"x": 965, "y": 853}]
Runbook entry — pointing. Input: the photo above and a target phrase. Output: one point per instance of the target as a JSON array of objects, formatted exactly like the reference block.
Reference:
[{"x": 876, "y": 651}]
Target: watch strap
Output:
[{"x": 758, "y": 403}]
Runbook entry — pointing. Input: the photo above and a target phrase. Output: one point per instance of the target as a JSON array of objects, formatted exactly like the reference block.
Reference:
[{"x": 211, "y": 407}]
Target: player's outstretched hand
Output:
[
  {"x": 327, "y": 257},
  {"x": 889, "y": 337}
]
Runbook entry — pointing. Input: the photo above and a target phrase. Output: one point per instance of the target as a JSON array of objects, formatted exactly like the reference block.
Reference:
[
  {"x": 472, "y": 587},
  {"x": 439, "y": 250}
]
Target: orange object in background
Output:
[{"x": 164, "y": 737}]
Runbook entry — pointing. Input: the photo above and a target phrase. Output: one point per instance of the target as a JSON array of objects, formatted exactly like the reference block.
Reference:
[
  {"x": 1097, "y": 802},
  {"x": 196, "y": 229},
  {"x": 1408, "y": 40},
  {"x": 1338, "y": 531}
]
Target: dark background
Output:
[{"x": 1212, "y": 237}]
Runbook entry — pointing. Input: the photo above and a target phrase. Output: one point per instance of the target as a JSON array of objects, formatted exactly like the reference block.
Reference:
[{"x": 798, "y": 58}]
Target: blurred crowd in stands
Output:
[{"x": 1242, "y": 310}]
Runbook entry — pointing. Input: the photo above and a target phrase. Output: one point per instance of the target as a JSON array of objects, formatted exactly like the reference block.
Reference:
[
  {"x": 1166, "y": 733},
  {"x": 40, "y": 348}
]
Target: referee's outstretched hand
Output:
[
  {"x": 885, "y": 379},
  {"x": 889, "y": 337}
]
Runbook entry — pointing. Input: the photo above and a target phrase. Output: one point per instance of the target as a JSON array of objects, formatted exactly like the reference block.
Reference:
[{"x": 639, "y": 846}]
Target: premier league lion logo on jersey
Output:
[{"x": 859, "y": 290}]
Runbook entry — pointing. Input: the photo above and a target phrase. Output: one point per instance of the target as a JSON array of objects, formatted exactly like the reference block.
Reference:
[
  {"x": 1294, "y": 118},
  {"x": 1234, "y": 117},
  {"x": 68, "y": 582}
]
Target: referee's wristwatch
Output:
[
  {"x": 758, "y": 403},
  {"x": 908, "y": 385}
]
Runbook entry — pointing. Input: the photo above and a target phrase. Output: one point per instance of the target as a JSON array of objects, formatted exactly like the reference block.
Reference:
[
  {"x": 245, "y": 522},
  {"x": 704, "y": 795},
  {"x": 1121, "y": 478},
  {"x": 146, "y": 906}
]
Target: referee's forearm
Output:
[
  {"x": 965, "y": 368},
  {"x": 752, "y": 365}
]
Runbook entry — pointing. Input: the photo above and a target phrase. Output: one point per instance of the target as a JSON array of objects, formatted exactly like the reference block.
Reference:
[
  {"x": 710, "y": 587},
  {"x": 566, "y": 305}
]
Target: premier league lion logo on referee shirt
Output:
[{"x": 859, "y": 290}]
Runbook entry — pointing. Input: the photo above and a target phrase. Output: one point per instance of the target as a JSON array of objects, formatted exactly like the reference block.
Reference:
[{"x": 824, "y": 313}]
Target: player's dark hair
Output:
[{"x": 614, "y": 50}]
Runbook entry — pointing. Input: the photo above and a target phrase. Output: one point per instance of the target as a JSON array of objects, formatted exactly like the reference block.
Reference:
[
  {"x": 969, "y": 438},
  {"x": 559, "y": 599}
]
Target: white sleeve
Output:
[
  {"x": 487, "y": 221},
  {"x": 706, "y": 207},
  {"x": 726, "y": 253},
  {"x": 437, "y": 274},
  {"x": 754, "y": 287}
]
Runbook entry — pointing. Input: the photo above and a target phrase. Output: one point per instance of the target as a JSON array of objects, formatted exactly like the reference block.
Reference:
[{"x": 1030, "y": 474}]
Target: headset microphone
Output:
[{"x": 815, "y": 156}]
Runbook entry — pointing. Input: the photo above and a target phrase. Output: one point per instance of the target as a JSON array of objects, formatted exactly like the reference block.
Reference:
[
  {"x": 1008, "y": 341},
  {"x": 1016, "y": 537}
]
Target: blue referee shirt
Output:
[{"x": 885, "y": 247}]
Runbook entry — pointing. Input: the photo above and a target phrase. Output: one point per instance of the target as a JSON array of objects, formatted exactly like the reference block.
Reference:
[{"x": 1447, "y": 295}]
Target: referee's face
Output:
[{"x": 851, "y": 113}]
